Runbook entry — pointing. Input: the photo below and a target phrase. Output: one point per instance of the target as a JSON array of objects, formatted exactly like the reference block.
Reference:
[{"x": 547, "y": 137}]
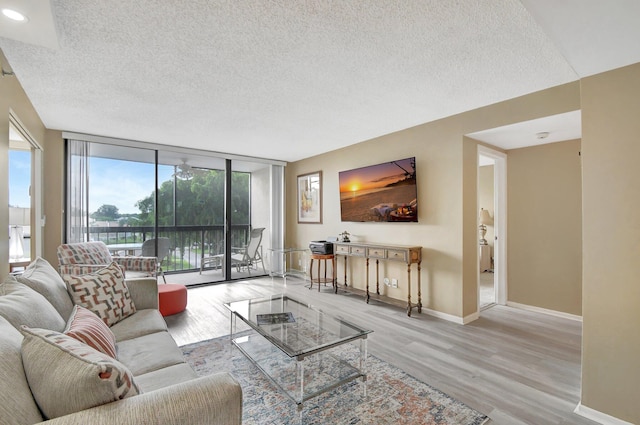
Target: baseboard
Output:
[
  {"x": 445, "y": 316},
  {"x": 601, "y": 418},
  {"x": 470, "y": 318},
  {"x": 545, "y": 311},
  {"x": 474, "y": 316}
]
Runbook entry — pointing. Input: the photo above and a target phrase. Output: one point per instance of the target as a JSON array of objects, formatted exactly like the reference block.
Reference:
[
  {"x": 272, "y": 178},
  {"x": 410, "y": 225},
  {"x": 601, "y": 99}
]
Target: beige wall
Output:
[
  {"x": 447, "y": 194},
  {"x": 13, "y": 98},
  {"x": 470, "y": 246},
  {"x": 611, "y": 243},
  {"x": 544, "y": 226},
  {"x": 53, "y": 194}
]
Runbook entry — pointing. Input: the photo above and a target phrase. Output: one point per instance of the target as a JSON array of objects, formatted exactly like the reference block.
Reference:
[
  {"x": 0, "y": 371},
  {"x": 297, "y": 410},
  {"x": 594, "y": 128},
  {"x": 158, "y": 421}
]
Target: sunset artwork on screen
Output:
[{"x": 383, "y": 192}]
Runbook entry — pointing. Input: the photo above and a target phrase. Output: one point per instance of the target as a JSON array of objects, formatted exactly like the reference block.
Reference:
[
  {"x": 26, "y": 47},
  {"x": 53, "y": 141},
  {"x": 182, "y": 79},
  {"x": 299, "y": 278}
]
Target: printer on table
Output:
[{"x": 322, "y": 247}]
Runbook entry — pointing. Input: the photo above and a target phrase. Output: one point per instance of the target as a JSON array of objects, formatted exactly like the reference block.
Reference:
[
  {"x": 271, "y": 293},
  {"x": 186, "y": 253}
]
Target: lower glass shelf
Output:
[{"x": 305, "y": 378}]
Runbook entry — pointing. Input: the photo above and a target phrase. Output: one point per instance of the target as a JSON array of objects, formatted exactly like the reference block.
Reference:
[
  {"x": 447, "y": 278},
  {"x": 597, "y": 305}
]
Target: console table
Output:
[{"x": 401, "y": 253}]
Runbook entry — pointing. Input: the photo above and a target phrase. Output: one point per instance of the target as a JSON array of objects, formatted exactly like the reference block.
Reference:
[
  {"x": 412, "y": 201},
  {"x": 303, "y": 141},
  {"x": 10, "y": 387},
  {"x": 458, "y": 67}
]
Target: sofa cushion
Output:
[
  {"x": 44, "y": 279},
  {"x": 148, "y": 353},
  {"x": 21, "y": 305},
  {"x": 67, "y": 376},
  {"x": 86, "y": 327},
  {"x": 165, "y": 377},
  {"x": 103, "y": 292},
  {"x": 17, "y": 406},
  {"x": 144, "y": 322}
]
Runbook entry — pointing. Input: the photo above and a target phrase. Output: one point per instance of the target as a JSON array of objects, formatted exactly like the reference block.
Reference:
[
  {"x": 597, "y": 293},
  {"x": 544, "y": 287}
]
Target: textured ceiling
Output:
[{"x": 288, "y": 79}]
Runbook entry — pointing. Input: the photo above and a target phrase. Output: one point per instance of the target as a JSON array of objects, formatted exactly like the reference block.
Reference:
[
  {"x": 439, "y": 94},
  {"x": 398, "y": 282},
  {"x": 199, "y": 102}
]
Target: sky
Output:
[
  {"x": 19, "y": 178},
  {"x": 114, "y": 182},
  {"x": 122, "y": 183}
]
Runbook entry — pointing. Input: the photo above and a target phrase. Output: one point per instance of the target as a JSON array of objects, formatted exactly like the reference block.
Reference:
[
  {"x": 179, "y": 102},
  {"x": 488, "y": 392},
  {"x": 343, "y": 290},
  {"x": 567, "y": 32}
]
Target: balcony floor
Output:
[{"x": 208, "y": 276}]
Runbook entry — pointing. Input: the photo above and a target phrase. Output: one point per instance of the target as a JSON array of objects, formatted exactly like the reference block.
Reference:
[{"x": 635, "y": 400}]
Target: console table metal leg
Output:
[
  {"x": 345, "y": 270},
  {"x": 377, "y": 277},
  {"x": 367, "y": 280},
  {"x": 334, "y": 275},
  {"x": 419, "y": 290},
  {"x": 409, "y": 289}
]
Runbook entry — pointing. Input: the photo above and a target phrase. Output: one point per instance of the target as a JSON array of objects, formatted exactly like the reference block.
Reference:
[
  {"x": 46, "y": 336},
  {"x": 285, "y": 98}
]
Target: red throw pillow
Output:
[{"x": 87, "y": 327}]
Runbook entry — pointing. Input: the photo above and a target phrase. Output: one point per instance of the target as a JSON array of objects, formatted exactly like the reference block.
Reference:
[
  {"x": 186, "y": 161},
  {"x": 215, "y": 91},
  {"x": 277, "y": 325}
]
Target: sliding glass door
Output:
[
  {"x": 194, "y": 212},
  {"x": 249, "y": 218},
  {"x": 191, "y": 212}
]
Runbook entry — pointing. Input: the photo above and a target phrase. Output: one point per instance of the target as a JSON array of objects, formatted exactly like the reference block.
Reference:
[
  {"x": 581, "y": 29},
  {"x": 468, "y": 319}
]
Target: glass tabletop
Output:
[{"x": 297, "y": 328}]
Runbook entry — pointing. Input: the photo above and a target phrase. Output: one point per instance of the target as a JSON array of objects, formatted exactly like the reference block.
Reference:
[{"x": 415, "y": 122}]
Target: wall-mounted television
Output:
[{"x": 384, "y": 192}]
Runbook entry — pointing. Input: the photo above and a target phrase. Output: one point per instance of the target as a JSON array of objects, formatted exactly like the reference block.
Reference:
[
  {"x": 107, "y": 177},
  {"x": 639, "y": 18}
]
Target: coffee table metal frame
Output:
[{"x": 310, "y": 337}]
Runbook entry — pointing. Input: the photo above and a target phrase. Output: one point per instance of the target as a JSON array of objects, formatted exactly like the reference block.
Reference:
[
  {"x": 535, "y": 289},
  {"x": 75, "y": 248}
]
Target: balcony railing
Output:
[{"x": 188, "y": 243}]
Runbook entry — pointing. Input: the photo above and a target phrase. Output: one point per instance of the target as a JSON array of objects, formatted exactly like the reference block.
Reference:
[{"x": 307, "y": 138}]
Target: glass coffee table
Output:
[{"x": 294, "y": 345}]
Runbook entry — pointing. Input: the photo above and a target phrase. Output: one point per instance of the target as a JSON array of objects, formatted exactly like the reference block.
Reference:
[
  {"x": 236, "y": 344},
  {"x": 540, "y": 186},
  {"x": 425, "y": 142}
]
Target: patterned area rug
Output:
[{"x": 393, "y": 397}]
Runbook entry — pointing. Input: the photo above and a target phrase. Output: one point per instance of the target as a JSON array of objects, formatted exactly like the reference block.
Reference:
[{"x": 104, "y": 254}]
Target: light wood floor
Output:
[{"x": 516, "y": 366}]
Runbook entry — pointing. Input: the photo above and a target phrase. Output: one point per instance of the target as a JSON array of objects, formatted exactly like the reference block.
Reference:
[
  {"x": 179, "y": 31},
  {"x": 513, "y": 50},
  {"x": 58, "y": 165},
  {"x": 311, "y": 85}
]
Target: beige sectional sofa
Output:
[{"x": 169, "y": 390}]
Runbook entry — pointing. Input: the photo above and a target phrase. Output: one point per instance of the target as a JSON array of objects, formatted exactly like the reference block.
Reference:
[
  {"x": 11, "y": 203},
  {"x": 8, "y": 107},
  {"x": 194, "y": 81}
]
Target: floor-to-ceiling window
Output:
[
  {"x": 107, "y": 191},
  {"x": 191, "y": 211},
  {"x": 249, "y": 218},
  {"x": 201, "y": 207}
]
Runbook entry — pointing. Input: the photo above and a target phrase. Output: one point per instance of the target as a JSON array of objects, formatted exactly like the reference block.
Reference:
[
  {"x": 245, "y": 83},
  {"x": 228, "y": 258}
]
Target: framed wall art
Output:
[
  {"x": 310, "y": 197},
  {"x": 384, "y": 192}
]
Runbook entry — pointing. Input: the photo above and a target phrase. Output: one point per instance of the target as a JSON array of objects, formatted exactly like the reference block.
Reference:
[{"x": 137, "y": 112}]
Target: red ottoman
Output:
[{"x": 172, "y": 298}]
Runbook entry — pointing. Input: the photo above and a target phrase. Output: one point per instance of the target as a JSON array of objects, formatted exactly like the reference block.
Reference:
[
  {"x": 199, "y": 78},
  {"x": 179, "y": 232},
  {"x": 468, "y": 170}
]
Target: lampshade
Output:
[
  {"x": 19, "y": 216},
  {"x": 484, "y": 217}
]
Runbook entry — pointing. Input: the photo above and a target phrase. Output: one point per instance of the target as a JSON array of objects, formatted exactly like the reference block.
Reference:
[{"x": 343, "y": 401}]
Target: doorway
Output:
[
  {"x": 486, "y": 230},
  {"x": 25, "y": 195},
  {"x": 492, "y": 166}
]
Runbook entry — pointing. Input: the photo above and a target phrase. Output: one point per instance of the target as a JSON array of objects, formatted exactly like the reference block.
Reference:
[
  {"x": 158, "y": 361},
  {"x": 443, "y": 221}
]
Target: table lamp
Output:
[{"x": 484, "y": 219}]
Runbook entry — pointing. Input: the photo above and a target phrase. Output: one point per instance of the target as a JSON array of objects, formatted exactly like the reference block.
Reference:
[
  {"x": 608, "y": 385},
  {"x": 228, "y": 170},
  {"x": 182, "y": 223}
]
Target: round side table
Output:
[{"x": 322, "y": 258}]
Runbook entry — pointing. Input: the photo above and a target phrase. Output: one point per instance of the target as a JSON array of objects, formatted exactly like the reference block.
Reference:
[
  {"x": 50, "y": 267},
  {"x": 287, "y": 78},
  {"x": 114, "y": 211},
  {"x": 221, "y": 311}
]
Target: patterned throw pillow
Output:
[
  {"x": 86, "y": 327},
  {"x": 103, "y": 292},
  {"x": 67, "y": 376}
]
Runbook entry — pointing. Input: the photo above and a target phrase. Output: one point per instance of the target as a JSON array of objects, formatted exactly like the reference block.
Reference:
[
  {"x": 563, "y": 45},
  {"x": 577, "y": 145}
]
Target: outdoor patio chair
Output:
[
  {"x": 250, "y": 255},
  {"x": 164, "y": 251},
  {"x": 214, "y": 257},
  {"x": 87, "y": 257}
]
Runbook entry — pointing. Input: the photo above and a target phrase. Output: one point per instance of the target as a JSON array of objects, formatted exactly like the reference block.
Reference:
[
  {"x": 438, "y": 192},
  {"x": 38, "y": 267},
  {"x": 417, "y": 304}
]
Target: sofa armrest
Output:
[
  {"x": 144, "y": 292},
  {"x": 209, "y": 400}
]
